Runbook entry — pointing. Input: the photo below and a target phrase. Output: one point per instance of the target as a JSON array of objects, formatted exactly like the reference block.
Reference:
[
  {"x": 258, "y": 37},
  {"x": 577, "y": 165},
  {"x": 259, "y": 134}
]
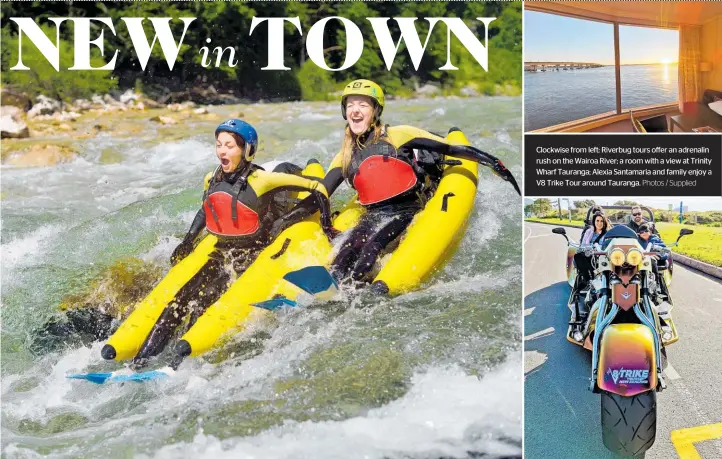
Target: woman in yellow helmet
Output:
[{"x": 393, "y": 169}]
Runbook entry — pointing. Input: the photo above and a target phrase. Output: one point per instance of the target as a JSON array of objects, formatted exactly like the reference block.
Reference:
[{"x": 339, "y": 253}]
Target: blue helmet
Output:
[{"x": 246, "y": 131}]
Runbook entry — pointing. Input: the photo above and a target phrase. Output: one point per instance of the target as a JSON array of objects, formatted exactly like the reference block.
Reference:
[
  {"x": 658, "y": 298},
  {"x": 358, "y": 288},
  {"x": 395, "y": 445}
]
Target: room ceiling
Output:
[{"x": 656, "y": 14}]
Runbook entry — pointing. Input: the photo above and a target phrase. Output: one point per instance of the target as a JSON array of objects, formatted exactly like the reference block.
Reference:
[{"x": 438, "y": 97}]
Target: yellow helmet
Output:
[{"x": 364, "y": 88}]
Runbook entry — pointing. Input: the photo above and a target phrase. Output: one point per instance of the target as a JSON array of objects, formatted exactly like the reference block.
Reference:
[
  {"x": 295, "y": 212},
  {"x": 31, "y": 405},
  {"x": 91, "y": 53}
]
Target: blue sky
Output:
[{"x": 549, "y": 37}]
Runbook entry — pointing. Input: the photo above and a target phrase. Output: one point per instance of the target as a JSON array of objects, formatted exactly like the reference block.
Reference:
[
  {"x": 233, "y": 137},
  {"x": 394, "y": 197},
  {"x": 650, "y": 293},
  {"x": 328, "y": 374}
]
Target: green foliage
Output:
[
  {"x": 42, "y": 78},
  {"x": 227, "y": 24},
  {"x": 626, "y": 202},
  {"x": 584, "y": 204},
  {"x": 709, "y": 218},
  {"x": 541, "y": 207},
  {"x": 316, "y": 83},
  {"x": 703, "y": 245}
]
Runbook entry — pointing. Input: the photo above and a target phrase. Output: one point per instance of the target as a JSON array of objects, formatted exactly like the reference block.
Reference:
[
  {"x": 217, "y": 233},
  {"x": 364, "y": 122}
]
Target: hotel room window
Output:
[
  {"x": 568, "y": 69},
  {"x": 648, "y": 58}
]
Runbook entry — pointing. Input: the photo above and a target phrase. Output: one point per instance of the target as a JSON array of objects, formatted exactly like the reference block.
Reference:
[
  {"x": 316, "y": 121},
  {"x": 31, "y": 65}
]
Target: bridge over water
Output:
[{"x": 550, "y": 66}]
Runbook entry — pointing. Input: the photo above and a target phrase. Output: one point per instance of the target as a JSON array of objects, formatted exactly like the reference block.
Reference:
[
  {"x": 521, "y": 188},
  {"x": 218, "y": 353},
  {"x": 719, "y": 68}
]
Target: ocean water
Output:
[
  {"x": 555, "y": 97},
  {"x": 434, "y": 373}
]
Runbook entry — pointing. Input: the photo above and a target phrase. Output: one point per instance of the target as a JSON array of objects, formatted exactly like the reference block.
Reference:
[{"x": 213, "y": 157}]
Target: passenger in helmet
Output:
[
  {"x": 646, "y": 235},
  {"x": 238, "y": 206},
  {"x": 394, "y": 170}
]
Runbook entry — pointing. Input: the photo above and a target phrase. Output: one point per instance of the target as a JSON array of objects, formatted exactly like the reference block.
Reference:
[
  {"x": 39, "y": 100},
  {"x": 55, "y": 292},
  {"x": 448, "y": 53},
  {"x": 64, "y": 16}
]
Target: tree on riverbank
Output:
[{"x": 228, "y": 24}]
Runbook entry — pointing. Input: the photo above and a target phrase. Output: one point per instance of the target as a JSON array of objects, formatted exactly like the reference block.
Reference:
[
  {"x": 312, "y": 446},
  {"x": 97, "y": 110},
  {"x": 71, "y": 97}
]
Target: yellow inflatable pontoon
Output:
[{"x": 424, "y": 248}]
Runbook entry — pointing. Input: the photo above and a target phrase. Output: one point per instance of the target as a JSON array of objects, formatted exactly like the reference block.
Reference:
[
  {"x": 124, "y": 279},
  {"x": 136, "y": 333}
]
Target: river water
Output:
[
  {"x": 428, "y": 374},
  {"x": 555, "y": 97}
]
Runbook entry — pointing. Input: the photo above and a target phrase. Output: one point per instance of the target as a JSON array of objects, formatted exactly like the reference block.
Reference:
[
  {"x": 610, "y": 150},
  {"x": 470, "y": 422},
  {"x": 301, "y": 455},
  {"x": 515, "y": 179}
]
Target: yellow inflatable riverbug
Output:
[
  {"x": 434, "y": 233},
  {"x": 128, "y": 339},
  {"x": 426, "y": 245}
]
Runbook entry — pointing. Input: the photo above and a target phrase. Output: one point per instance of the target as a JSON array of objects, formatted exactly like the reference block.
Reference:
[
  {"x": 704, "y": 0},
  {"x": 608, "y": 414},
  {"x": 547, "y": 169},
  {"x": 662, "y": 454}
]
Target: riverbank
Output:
[{"x": 46, "y": 133}]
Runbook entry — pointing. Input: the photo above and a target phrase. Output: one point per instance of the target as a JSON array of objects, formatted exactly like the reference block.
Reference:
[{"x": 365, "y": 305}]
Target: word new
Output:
[{"x": 314, "y": 41}]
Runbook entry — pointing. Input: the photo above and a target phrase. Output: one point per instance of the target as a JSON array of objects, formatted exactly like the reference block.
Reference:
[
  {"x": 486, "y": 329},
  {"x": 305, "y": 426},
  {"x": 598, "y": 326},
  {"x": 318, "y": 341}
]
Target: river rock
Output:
[
  {"x": 187, "y": 105},
  {"x": 88, "y": 133},
  {"x": 228, "y": 99},
  {"x": 129, "y": 96},
  {"x": 67, "y": 116},
  {"x": 41, "y": 155},
  {"x": 44, "y": 106},
  {"x": 205, "y": 96},
  {"x": 150, "y": 103},
  {"x": 164, "y": 120},
  {"x": 137, "y": 106},
  {"x": 428, "y": 90},
  {"x": 81, "y": 105},
  {"x": 201, "y": 111},
  {"x": 16, "y": 99},
  {"x": 97, "y": 101},
  {"x": 113, "y": 104},
  {"x": 58, "y": 117},
  {"x": 11, "y": 110},
  {"x": 469, "y": 91},
  {"x": 117, "y": 289},
  {"x": 11, "y": 124}
]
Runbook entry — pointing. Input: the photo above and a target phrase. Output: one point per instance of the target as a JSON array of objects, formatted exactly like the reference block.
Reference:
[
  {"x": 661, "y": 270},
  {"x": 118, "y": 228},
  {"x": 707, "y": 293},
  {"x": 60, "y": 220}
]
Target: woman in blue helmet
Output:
[{"x": 238, "y": 207}]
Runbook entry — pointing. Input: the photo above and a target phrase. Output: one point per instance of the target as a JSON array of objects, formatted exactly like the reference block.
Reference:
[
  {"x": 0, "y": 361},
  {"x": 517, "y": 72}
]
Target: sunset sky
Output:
[{"x": 549, "y": 37}]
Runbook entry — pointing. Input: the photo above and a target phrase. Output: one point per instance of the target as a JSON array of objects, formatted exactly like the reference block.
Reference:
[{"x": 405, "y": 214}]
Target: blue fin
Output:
[
  {"x": 97, "y": 378},
  {"x": 102, "y": 378},
  {"x": 313, "y": 280},
  {"x": 274, "y": 304}
]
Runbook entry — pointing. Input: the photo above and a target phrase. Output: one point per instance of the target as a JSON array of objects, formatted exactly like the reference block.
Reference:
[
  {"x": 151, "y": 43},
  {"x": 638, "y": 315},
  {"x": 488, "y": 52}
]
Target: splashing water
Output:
[{"x": 433, "y": 373}]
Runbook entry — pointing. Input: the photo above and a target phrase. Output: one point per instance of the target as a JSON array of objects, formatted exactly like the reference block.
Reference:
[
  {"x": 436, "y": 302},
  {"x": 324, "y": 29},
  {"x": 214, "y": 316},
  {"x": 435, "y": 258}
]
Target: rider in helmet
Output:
[
  {"x": 393, "y": 169},
  {"x": 238, "y": 203}
]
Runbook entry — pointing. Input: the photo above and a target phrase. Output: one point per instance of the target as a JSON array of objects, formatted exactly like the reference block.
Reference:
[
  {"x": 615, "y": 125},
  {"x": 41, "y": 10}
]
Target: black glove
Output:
[
  {"x": 186, "y": 247},
  {"x": 277, "y": 228},
  {"x": 331, "y": 232},
  {"x": 326, "y": 219},
  {"x": 485, "y": 159},
  {"x": 183, "y": 250}
]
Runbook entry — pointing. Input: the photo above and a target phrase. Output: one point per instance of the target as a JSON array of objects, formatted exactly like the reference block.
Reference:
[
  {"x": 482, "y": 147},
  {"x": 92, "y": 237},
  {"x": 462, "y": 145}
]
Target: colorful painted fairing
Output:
[{"x": 627, "y": 363}]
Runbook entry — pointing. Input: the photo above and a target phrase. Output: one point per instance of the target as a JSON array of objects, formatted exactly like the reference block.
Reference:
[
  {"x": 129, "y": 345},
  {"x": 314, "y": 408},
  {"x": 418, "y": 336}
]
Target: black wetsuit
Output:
[
  {"x": 377, "y": 228},
  {"x": 243, "y": 231},
  {"x": 394, "y": 176}
]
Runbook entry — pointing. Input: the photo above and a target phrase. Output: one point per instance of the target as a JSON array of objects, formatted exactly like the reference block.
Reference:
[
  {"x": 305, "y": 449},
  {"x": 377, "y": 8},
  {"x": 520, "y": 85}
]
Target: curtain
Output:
[{"x": 690, "y": 56}]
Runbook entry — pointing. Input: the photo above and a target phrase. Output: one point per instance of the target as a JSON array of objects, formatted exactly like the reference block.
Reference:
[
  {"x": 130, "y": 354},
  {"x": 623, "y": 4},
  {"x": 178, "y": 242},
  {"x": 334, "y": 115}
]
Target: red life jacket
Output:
[
  {"x": 226, "y": 215},
  {"x": 380, "y": 173}
]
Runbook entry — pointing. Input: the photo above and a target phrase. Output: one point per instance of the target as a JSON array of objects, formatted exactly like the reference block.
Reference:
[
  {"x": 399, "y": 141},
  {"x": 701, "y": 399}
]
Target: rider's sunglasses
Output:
[
  {"x": 636, "y": 214},
  {"x": 645, "y": 231}
]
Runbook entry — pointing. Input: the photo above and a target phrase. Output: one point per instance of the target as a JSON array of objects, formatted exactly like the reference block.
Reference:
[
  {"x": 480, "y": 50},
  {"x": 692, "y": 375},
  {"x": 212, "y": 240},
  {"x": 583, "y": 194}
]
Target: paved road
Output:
[{"x": 561, "y": 415}]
